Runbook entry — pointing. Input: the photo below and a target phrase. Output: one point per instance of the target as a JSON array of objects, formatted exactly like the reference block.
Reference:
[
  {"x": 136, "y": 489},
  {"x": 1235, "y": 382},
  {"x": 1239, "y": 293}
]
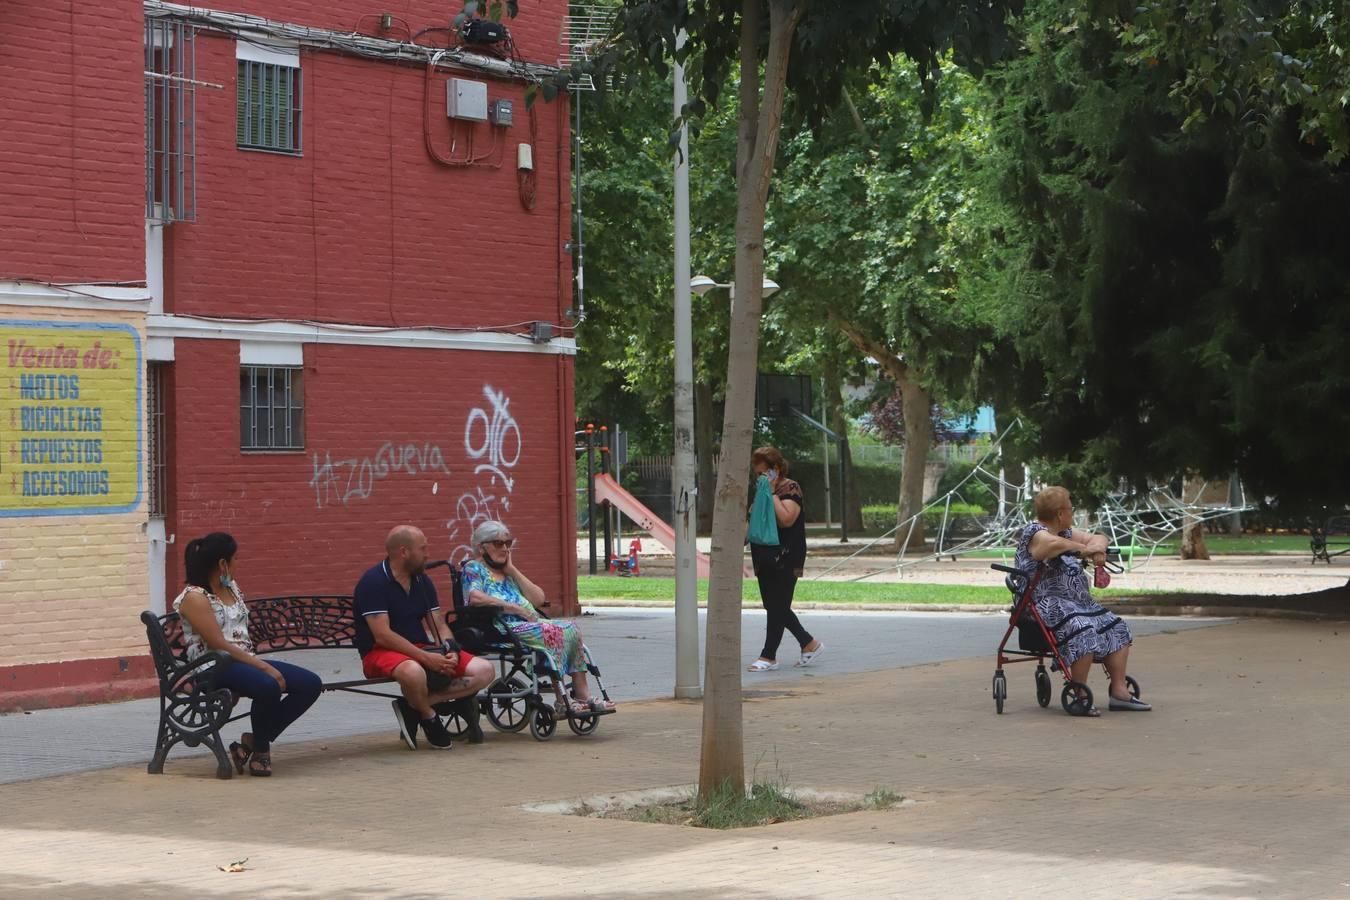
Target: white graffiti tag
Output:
[
  {"x": 493, "y": 439},
  {"x": 343, "y": 480}
]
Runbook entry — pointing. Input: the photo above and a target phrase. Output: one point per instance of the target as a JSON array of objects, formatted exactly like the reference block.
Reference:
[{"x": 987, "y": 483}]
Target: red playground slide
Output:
[{"x": 607, "y": 490}]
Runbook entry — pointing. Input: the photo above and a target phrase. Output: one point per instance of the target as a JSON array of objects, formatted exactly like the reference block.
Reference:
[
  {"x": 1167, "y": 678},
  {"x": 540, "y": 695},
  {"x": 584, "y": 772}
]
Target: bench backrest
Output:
[
  {"x": 275, "y": 623},
  {"x": 298, "y": 622},
  {"x": 165, "y": 636}
]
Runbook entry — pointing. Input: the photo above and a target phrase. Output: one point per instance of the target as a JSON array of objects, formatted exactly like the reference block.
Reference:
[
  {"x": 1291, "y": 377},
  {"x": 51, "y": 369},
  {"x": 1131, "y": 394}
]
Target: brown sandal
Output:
[
  {"x": 240, "y": 754},
  {"x": 260, "y": 764}
]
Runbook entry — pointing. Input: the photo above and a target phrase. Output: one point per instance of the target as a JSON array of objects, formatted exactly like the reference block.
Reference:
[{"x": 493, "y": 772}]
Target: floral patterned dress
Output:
[
  {"x": 1080, "y": 624},
  {"x": 560, "y": 641}
]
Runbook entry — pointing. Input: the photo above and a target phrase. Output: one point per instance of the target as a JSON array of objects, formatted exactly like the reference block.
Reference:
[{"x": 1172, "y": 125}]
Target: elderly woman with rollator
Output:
[
  {"x": 1084, "y": 631},
  {"x": 493, "y": 580}
]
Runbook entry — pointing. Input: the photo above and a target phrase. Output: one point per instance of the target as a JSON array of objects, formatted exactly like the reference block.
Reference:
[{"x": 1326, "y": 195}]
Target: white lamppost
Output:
[{"x": 684, "y": 465}]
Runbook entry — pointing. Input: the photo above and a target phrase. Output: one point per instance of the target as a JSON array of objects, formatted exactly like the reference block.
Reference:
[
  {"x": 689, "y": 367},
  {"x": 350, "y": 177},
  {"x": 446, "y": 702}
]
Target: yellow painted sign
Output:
[{"x": 70, "y": 418}]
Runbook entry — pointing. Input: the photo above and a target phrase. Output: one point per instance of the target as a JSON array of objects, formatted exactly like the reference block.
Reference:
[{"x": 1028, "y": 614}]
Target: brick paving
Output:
[{"x": 1237, "y": 785}]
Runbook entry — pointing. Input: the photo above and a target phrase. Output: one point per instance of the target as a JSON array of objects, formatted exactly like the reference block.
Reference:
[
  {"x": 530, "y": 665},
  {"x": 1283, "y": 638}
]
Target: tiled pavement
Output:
[{"x": 1237, "y": 785}]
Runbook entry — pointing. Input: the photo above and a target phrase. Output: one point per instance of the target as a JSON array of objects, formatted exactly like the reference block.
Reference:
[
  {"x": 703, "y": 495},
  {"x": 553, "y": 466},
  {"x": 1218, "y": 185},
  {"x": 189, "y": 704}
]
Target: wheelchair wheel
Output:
[
  {"x": 1132, "y": 686},
  {"x": 1043, "y": 689},
  {"x": 455, "y": 724},
  {"x": 543, "y": 723},
  {"x": 1075, "y": 698},
  {"x": 583, "y": 725},
  {"x": 507, "y": 713},
  {"x": 1000, "y": 690}
]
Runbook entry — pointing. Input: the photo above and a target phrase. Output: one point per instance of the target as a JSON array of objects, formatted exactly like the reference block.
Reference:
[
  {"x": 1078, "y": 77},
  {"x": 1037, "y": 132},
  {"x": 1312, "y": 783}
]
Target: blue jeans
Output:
[{"x": 272, "y": 713}]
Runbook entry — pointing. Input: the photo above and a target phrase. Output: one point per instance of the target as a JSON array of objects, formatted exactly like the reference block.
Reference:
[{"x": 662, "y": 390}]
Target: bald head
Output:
[
  {"x": 407, "y": 549},
  {"x": 402, "y": 536}
]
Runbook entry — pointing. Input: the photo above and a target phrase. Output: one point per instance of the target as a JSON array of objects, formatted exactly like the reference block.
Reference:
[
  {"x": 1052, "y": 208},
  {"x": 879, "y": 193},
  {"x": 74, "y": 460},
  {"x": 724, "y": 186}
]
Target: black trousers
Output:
[{"x": 775, "y": 592}]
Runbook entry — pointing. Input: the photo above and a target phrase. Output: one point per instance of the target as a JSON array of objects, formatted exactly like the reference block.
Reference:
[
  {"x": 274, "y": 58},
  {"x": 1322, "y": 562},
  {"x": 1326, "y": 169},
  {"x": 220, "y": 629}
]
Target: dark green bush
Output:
[{"x": 880, "y": 518}]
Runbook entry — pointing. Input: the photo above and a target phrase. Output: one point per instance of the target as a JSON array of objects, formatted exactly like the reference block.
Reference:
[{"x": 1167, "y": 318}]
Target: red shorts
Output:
[{"x": 381, "y": 663}]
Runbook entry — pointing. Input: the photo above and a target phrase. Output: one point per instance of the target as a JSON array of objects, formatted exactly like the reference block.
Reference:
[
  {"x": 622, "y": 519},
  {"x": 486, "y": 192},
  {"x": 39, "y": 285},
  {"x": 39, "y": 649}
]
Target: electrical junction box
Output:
[
  {"x": 466, "y": 99},
  {"x": 501, "y": 113}
]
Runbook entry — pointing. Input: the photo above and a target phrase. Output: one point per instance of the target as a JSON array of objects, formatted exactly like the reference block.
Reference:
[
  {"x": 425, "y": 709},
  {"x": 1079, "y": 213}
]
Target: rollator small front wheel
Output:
[
  {"x": 1043, "y": 688},
  {"x": 1132, "y": 686},
  {"x": 1000, "y": 690}
]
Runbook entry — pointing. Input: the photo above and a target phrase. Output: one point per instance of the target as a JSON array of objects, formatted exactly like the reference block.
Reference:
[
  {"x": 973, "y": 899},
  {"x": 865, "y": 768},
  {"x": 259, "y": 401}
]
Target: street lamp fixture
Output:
[{"x": 701, "y": 284}]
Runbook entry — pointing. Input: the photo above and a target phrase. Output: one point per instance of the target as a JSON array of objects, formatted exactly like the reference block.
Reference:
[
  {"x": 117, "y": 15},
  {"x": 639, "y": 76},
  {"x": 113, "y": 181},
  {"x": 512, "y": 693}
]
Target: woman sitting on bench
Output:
[
  {"x": 496, "y": 582},
  {"x": 214, "y": 617}
]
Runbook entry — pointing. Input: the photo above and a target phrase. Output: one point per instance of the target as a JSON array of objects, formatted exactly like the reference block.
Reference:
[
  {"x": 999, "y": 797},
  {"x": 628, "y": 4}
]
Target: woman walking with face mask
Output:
[{"x": 778, "y": 566}]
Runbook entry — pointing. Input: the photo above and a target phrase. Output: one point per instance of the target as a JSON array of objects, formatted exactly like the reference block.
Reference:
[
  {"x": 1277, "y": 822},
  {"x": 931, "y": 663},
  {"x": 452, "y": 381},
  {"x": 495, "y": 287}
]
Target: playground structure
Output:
[
  {"x": 602, "y": 489},
  {"x": 627, "y": 566},
  {"x": 1135, "y": 523}
]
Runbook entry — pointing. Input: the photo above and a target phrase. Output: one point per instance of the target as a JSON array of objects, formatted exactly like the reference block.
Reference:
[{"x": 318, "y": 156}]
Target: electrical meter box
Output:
[
  {"x": 466, "y": 99},
  {"x": 501, "y": 113}
]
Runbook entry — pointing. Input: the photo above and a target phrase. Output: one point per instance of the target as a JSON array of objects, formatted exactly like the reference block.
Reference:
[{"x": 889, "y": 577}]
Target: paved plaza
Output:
[{"x": 1237, "y": 785}]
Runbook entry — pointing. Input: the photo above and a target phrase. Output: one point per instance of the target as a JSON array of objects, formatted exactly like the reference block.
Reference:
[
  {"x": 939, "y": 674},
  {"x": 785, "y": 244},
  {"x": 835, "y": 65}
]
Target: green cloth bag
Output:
[{"x": 763, "y": 521}]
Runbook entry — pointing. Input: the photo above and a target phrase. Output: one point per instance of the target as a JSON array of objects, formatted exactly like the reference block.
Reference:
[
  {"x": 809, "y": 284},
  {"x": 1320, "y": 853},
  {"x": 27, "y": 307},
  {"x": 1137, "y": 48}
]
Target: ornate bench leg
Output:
[
  {"x": 165, "y": 740},
  {"x": 223, "y": 767}
]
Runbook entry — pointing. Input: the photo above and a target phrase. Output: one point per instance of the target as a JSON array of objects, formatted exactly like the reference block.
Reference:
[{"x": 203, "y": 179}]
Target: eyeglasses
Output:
[{"x": 502, "y": 545}]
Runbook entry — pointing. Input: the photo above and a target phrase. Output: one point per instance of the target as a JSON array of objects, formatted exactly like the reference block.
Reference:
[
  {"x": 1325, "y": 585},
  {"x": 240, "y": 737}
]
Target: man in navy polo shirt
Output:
[{"x": 392, "y": 601}]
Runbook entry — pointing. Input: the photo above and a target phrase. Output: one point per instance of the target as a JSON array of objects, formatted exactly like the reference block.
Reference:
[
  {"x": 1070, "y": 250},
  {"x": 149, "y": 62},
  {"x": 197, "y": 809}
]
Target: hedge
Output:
[{"x": 880, "y": 518}]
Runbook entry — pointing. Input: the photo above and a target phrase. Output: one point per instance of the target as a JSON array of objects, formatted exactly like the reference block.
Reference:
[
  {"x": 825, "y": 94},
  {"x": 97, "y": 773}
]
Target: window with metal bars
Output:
[
  {"x": 271, "y": 408},
  {"x": 170, "y": 121},
  {"x": 268, "y": 112},
  {"x": 156, "y": 460}
]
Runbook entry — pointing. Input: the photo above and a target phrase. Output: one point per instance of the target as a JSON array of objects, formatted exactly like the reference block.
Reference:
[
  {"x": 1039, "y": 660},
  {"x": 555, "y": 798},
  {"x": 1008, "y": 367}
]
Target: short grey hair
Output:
[{"x": 489, "y": 531}]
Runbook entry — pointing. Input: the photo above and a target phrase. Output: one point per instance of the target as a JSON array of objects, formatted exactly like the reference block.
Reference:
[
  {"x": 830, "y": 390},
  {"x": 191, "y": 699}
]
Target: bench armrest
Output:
[{"x": 202, "y": 672}]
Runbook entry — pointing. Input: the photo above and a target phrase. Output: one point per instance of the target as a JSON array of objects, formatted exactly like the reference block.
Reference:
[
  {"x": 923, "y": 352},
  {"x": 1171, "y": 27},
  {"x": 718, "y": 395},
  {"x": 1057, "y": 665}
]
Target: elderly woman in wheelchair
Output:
[
  {"x": 493, "y": 581},
  {"x": 1084, "y": 631}
]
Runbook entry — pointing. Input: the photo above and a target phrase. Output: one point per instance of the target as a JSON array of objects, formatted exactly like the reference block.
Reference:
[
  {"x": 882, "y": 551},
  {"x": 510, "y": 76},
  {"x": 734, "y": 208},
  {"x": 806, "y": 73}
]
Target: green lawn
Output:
[{"x": 644, "y": 589}]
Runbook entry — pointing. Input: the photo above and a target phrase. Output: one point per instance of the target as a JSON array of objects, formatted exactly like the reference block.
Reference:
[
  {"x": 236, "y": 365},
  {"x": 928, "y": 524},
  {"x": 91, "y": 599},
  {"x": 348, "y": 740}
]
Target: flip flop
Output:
[
  {"x": 760, "y": 665},
  {"x": 1081, "y": 707},
  {"x": 809, "y": 657}
]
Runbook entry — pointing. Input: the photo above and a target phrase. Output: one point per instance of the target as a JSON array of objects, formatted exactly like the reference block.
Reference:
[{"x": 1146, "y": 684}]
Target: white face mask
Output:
[{"x": 226, "y": 580}]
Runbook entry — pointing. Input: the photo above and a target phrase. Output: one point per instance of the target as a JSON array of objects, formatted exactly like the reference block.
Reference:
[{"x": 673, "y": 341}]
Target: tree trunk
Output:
[
  {"x": 916, "y": 404},
  {"x": 1193, "y": 541},
  {"x": 703, "y": 446},
  {"x": 1193, "y": 534},
  {"x": 722, "y": 760}
]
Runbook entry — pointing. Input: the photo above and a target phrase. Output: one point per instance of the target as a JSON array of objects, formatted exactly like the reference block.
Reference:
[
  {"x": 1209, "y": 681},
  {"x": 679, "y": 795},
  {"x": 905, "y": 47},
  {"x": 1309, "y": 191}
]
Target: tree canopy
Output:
[{"x": 1180, "y": 291}]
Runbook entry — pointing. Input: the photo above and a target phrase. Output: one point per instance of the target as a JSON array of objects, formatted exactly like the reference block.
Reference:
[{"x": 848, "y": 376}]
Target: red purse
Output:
[{"x": 1100, "y": 577}]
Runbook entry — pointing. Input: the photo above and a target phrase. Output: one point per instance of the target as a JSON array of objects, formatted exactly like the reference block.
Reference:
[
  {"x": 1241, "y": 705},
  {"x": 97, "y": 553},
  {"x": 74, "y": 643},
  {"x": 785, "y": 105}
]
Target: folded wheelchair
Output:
[
  {"x": 520, "y": 696},
  {"x": 1036, "y": 641}
]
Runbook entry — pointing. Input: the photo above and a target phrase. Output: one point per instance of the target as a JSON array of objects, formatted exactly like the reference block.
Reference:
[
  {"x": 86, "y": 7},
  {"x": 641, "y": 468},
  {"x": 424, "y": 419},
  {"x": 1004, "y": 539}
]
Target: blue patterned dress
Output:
[
  {"x": 561, "y": 641},
  {"x": 1080, "y": 625}
]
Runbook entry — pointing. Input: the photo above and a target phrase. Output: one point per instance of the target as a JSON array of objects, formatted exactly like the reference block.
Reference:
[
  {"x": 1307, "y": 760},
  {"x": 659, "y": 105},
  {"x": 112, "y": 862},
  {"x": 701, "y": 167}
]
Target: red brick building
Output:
[{"x": 341, "y": 237}]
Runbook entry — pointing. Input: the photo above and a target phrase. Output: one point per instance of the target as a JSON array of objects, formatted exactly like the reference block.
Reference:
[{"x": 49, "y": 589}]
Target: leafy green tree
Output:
[
  {"x": 881, "y": 236},
  {"x": 1176, "y": 283}
]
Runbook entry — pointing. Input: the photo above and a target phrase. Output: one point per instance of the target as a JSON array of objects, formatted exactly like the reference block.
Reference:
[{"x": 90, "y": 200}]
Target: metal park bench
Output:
[
  {"x": 193, "y": 710},
  {"x": 1336, "y": 526}
]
